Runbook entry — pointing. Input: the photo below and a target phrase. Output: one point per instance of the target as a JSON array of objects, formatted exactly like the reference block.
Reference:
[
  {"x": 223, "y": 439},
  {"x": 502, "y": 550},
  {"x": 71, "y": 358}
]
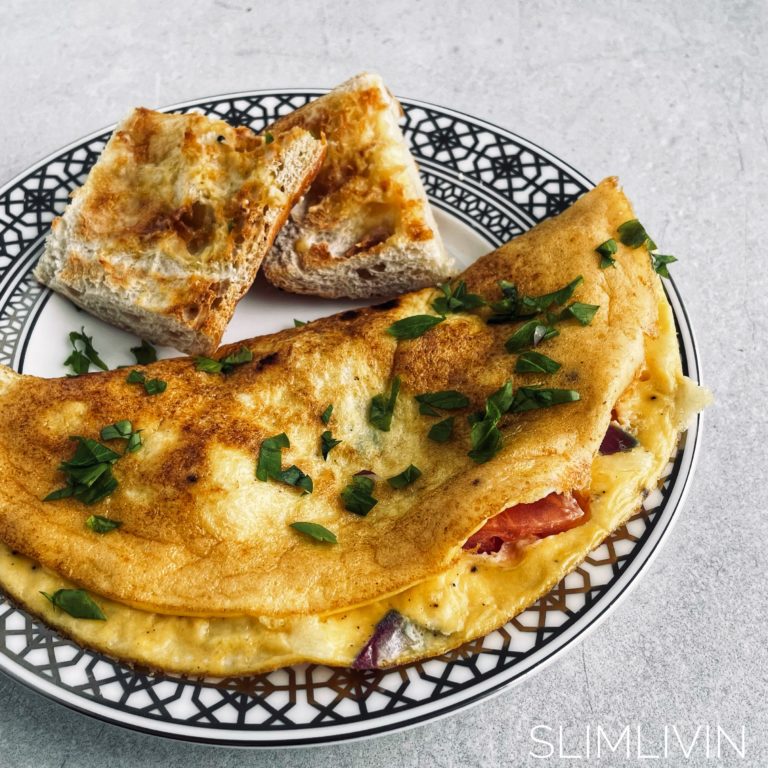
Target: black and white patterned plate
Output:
[{"x": 486, "y": 185}]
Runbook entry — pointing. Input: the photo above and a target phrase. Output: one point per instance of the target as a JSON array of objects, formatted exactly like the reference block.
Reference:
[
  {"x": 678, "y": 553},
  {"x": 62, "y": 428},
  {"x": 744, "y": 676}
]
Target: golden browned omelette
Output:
[{"x": 233, "y": 521}]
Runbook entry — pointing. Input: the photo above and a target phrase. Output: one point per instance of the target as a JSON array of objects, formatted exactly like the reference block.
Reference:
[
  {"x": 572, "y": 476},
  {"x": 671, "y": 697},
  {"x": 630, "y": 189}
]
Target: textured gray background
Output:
[{"x": 671, "y": 97}]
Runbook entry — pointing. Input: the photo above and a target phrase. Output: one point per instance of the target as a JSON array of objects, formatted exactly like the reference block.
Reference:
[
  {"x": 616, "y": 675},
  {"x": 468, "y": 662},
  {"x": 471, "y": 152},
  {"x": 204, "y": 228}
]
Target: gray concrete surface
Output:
[{"x": 670, "y": 96}]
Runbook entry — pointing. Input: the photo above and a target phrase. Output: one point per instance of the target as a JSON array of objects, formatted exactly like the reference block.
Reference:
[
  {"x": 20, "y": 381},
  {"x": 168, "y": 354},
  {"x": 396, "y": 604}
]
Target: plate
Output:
[{"x": 486, "y": 186}]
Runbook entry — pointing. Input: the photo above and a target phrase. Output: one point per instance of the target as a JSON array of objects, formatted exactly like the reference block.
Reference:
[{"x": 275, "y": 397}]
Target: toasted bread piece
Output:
[
  {"x": 173, "y": 221},
  {"x": 365, "y": 227}
]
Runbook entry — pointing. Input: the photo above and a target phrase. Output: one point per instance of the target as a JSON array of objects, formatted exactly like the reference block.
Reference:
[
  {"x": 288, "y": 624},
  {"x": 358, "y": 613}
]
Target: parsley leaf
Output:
[
  {"x": 88, "y": 473},
  {"x": 123, "y": 430},
  {"x": 134, "y": 442},
  {"x": 660, "y": 261},
  {"x": 531, "y": 305},
  {"x": 535, "y": 362},
  {"x": 155, "y": 386},
  {"x": 298, "y": 323},
  {"x": 632, "y": 234},
  {"x": 89, "y": 452},
  {"x": 75, "y": 602},
  {"x": 414, "y": 326},
  {"x": 268, "y": 138},
  {"x": 409, "y": 475},
  {"x": 514, "y": 305},
  {"x": 447, "y": 400},
  {"x": 442, "y": 431},
  {"x": 531, "y": 398},
  {"x": 606, "y": 251},
  {"x": 269, "y": 466},
  {"x": 382, "y": 407},
  {"x": 145, "y": 354},
  {"x": 207, "y": 365},
  {"x": 455, "y": 298},
  {"x": 294, "y": 477},
  {"x": 80, "y": 360},
  {"x": 357, "y": 496},
  {"x": 325, "y": 416},
  {"x": 485, "y": 440},
  {"x": 584, "y": 313},
  {"x": 99, "y": 524},
  {"x": 327, "y": 443},
  {"x": 151, "y": 386},
  {"x": 120, "y": 430},
  {"x": 226, "y": 364},
  {"x": 271, "y": 457},
  {"x": 530, "y": 334},
  {"x": 485, "y": 437},
  {"x": 316, "y": 531},
  {"x": 501, "y": 399}
]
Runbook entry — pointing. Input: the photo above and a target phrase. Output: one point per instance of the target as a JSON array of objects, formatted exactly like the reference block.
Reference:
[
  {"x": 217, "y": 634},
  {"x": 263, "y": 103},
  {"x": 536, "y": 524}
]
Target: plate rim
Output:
[{"x": 348, "y": 732}]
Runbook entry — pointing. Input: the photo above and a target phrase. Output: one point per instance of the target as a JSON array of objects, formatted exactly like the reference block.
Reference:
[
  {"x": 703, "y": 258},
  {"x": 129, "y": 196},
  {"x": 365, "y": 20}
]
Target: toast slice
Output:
[
  {"x": 173, "y": 221},
  {"x": 365, "y": 227}
]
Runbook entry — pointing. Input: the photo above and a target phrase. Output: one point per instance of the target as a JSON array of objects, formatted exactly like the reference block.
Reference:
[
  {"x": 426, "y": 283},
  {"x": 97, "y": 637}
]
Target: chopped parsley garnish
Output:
[
  {"x": 442, "y": 431},
  {"x": 584, "y": 313},
  {"x": 294, "y": 477},
  {"x": 530, "y": 334},
  {"x": 515, "y": 305},
  {"x": 414, "y": 326},
  {"x": 88, "y": 473},
  {"x": 382, "y": 407},
  {"x": 145, "y": 354},
  {"x": 99, "y": 524},
  {"x": 76, "y": 602},
  {"x": 357, "y": 496},
  {"x": 123, "y": 430},
  {"x": 81, "y": 359},
  {"x": 607, "y": 251},
  {"x": 485, "y": 437},
  {"x": 327, "y": 443},
  {"x": 535, "y": 362},
  {"x": 325, "y": 416},
  {"x": 455, "y": 298},
  {"x": 119, "y": 430},
  {"x": 531, "y": 305},
  {"x": 660, "y": 261},
  {"x": 270, "y": 463},
  {"x": 155, "y": 386},
  {"x": 134, "y": 442},
  {"x": 268, "y": 138},
  {"x": 531, "y": 398},
  {"x": 226, "y": 364},
  {"x": 271, "y": 457},
  {"x": 316, "y": 531},
  {"x": 298, "y": 323},
  {"x": 151, "y": 386},
  {"x": 632, "y": 234},
  {"x": 409, "y": 475},
  {"x": 446, "y": 400}
]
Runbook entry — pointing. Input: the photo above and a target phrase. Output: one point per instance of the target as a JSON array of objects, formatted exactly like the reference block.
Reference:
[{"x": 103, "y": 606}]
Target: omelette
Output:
[{"x": 365, "y": 490}]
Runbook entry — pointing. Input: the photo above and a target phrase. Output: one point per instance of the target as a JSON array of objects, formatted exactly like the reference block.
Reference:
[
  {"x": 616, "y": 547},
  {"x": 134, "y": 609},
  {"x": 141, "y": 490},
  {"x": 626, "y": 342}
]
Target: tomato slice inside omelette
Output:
[{"x": 555, "y": 513}]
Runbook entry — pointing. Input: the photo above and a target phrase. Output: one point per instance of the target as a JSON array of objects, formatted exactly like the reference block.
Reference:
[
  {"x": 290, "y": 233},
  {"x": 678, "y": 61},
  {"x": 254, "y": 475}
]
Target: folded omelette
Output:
[{"x": 368, "y": 489}]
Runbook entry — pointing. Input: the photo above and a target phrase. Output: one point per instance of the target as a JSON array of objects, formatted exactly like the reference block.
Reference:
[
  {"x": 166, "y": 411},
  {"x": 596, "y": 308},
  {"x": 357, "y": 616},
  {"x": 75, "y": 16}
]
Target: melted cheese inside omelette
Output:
[{"x": 478, "y": 594}]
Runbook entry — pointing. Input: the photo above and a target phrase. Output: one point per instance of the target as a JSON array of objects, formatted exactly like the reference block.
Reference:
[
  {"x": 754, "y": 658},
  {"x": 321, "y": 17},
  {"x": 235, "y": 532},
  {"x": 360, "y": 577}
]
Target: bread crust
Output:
[{"x": 173, "y": 222}]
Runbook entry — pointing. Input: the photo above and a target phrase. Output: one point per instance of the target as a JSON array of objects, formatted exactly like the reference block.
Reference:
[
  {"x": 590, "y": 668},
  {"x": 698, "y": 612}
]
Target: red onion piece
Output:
[
  {"x": 364, "y": 473},
  {"x": 617, "y": 440},
  {"x": 392, "y": 635}
]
